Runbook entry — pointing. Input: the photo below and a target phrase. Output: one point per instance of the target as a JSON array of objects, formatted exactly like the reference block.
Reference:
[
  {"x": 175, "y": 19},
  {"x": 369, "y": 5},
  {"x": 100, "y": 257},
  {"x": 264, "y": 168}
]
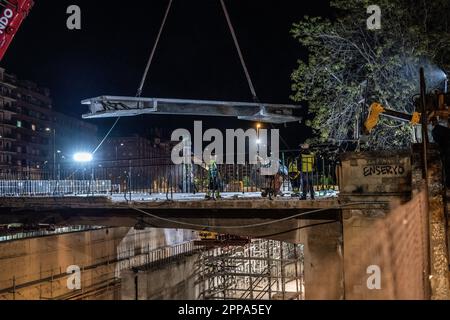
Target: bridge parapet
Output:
[{"x": 375, "y": 176}]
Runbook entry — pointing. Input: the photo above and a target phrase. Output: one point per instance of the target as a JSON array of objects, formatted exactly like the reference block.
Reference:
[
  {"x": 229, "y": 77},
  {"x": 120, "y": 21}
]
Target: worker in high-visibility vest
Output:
[
  {"x": 308, "y": 163},
  {"x": 213, "y": 180},
  {"x": 294, "y": 176}
]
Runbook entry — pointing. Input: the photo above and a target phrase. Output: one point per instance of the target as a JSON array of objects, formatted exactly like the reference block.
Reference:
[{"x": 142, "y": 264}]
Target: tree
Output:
[{"x": 350, "y": 66}]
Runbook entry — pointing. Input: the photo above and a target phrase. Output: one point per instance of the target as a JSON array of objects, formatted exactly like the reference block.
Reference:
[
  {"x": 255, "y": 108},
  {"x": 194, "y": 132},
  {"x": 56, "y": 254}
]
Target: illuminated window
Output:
[
  {"x": 19, "y": 124},
  {"x": 33, "y": 127}
]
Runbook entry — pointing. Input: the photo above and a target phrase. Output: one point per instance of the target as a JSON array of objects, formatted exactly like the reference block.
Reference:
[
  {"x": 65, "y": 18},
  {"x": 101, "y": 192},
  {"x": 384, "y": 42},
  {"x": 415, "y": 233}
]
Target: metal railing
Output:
[
  {"x": 100, "y": 178},
  {"x": 14, "y": 234},
  {"x": 53, "y": 187}
]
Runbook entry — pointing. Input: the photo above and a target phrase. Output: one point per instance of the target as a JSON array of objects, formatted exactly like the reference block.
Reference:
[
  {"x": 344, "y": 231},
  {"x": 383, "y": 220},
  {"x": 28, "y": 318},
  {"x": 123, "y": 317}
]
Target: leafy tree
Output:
[{"x": 350, "y": 66}]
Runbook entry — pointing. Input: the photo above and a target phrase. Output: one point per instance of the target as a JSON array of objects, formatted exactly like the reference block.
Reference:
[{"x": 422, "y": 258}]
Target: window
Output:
[
  {"x": 19, "y": 124},
  {"x": 33, "y": 127}
]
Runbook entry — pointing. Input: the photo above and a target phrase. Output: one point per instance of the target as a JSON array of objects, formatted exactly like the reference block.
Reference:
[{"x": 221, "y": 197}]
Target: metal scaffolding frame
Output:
[{"x": 261, "y": 270}]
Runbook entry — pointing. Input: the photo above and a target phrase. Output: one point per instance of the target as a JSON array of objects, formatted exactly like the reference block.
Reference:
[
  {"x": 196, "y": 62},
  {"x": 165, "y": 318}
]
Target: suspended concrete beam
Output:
[{"x": 110, "y": 107}]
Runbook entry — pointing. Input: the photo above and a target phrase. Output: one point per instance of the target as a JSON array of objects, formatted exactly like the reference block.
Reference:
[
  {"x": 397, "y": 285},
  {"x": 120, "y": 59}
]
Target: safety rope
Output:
[
  {"x": 241, "y": 56},
  {"x": 106, "y": 136}
]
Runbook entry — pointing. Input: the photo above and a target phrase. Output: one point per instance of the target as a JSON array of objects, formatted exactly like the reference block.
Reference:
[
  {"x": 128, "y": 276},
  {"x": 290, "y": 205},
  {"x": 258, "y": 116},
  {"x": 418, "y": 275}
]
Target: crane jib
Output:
[
  {"x": 5, "y": 19},
  {"x": 12, "y": 14}
]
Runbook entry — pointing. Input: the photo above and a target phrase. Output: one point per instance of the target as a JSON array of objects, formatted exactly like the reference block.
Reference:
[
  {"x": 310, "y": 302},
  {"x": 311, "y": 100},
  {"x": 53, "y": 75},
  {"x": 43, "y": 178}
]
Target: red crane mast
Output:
[{"x": 13, "y": 12}]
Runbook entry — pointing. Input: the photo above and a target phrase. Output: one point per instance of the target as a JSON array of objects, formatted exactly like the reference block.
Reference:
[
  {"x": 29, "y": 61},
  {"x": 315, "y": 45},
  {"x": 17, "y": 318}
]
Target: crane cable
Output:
[
  {"x": 244, "y": 65},
  {"x": 152, "y": 54},
  {"x": 144, "y": 77},
  {"x": 238, "y": 48}
]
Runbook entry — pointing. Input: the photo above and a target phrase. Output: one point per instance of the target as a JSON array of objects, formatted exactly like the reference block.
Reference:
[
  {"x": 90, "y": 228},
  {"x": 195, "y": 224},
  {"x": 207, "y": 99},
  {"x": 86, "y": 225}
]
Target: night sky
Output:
[{"x": 196, "y": 58}]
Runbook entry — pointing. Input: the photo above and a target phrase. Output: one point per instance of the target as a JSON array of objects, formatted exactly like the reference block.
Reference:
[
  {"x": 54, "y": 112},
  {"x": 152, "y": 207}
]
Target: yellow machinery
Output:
[
  {"x": 213, "y": 239},
  {"x": 437, "y": 105},
  {"x": 376, "y": 110},
  {"x": 205, "y": 235}
]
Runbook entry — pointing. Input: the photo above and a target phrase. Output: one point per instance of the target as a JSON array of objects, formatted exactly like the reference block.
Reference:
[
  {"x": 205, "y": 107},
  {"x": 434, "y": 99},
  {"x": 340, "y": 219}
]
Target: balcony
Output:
[
  {"x": 5, "y": 94},
  {"x": 37, "y": 105},
  {"x": 8, "y": 136},
  {"x": 7, "y": 150},
  {"x": 9, "y": 123},
  {"x": 9, "y": 108}
]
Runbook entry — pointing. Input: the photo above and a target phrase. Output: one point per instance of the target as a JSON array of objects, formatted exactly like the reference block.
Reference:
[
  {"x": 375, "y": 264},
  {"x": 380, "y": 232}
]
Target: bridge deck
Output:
[
  {"x": 196, "y": 206},
  {"x": 230, "y": 212}
]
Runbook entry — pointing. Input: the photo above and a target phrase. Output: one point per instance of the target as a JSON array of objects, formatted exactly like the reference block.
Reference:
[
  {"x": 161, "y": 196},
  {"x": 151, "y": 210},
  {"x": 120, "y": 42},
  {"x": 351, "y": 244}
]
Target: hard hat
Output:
[{"x": 304, "y": 146}]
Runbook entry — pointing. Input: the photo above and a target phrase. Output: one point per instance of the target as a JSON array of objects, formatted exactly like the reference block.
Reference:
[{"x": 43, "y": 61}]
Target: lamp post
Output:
[
  {"x": 258, "y": 141},
  {"x": 85, "y": 158},
  {"x": 54, "y": 150},
  {"x": 59, "y": 152}
]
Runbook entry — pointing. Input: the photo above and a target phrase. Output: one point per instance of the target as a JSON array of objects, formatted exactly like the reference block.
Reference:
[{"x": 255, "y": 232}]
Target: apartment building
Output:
[
  {"x": 25, "y": 124},
  {"x": 32, "y": 135}
]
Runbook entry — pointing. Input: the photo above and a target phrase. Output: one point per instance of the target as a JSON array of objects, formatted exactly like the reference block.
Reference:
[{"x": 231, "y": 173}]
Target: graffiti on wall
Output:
[{"x": 384, "y": 170}]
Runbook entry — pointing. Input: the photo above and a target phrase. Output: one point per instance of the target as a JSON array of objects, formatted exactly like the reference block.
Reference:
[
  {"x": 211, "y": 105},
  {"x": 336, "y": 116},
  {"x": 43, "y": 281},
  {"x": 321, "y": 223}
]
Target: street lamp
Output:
[
  {"x": 258, "y": 141},
  {"x": 83, "y": 157},
  {"x": 49, "y": 130}
]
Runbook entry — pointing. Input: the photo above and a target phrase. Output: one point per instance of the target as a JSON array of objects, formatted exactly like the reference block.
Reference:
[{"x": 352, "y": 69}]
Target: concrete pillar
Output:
[
  {"x": 365, "y": 254},
  {"x": 323, "y": 262},
  {"x": 378, "y": 177}
]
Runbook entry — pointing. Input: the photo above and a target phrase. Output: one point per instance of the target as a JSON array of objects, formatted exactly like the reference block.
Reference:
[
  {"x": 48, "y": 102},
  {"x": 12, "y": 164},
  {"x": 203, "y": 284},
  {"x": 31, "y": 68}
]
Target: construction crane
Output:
[
  {"x": 430, "y": 108},
  {"x": 13, "y": 12}
]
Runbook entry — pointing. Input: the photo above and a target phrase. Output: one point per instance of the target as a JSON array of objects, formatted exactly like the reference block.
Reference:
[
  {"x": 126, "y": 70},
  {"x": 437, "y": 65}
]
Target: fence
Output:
[
  {"x": 132, "y": 177},
  {"x": 53, "y": 187},
  {"x": 398, "y": 245}
]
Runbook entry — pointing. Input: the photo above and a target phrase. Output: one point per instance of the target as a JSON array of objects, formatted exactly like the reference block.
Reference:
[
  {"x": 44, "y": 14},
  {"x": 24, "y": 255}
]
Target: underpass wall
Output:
[
  {"x": 33, "y": 269},
  {"x": 172, "y": 281}
]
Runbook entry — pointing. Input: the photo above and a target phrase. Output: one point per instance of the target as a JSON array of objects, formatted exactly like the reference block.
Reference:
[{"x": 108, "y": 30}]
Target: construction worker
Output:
[
  {"x": 273, "y": 183},
  {"x": 213, "y": 180},
  {"x": 294, "y": 176},
  {"x": 307, "y": 174}
]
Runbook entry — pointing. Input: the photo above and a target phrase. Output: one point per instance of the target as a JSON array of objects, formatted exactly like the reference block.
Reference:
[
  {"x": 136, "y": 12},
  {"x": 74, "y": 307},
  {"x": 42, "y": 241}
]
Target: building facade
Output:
[
  {"x": 25, "y": 124},
  {"x": 33, "y": 137},
  {"x": 135, "y": 163},
  {"x": 136, "y": 151}
]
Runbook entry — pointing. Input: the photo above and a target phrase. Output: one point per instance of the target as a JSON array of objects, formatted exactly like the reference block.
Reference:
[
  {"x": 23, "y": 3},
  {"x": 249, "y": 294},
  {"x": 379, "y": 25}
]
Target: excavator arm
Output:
[
  {"x": 376, "y": 110},
  {"x": 13, "y": 12}
]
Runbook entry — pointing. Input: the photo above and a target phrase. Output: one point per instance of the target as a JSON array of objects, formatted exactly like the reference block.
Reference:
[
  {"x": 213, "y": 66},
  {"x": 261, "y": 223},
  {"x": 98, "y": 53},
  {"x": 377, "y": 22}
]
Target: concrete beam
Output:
[{"x": 112, "y": 107}]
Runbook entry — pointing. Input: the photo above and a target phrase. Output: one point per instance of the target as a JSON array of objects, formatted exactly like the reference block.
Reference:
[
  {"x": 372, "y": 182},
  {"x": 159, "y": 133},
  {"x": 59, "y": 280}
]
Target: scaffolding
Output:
[{"x": 261, "y": 270}]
